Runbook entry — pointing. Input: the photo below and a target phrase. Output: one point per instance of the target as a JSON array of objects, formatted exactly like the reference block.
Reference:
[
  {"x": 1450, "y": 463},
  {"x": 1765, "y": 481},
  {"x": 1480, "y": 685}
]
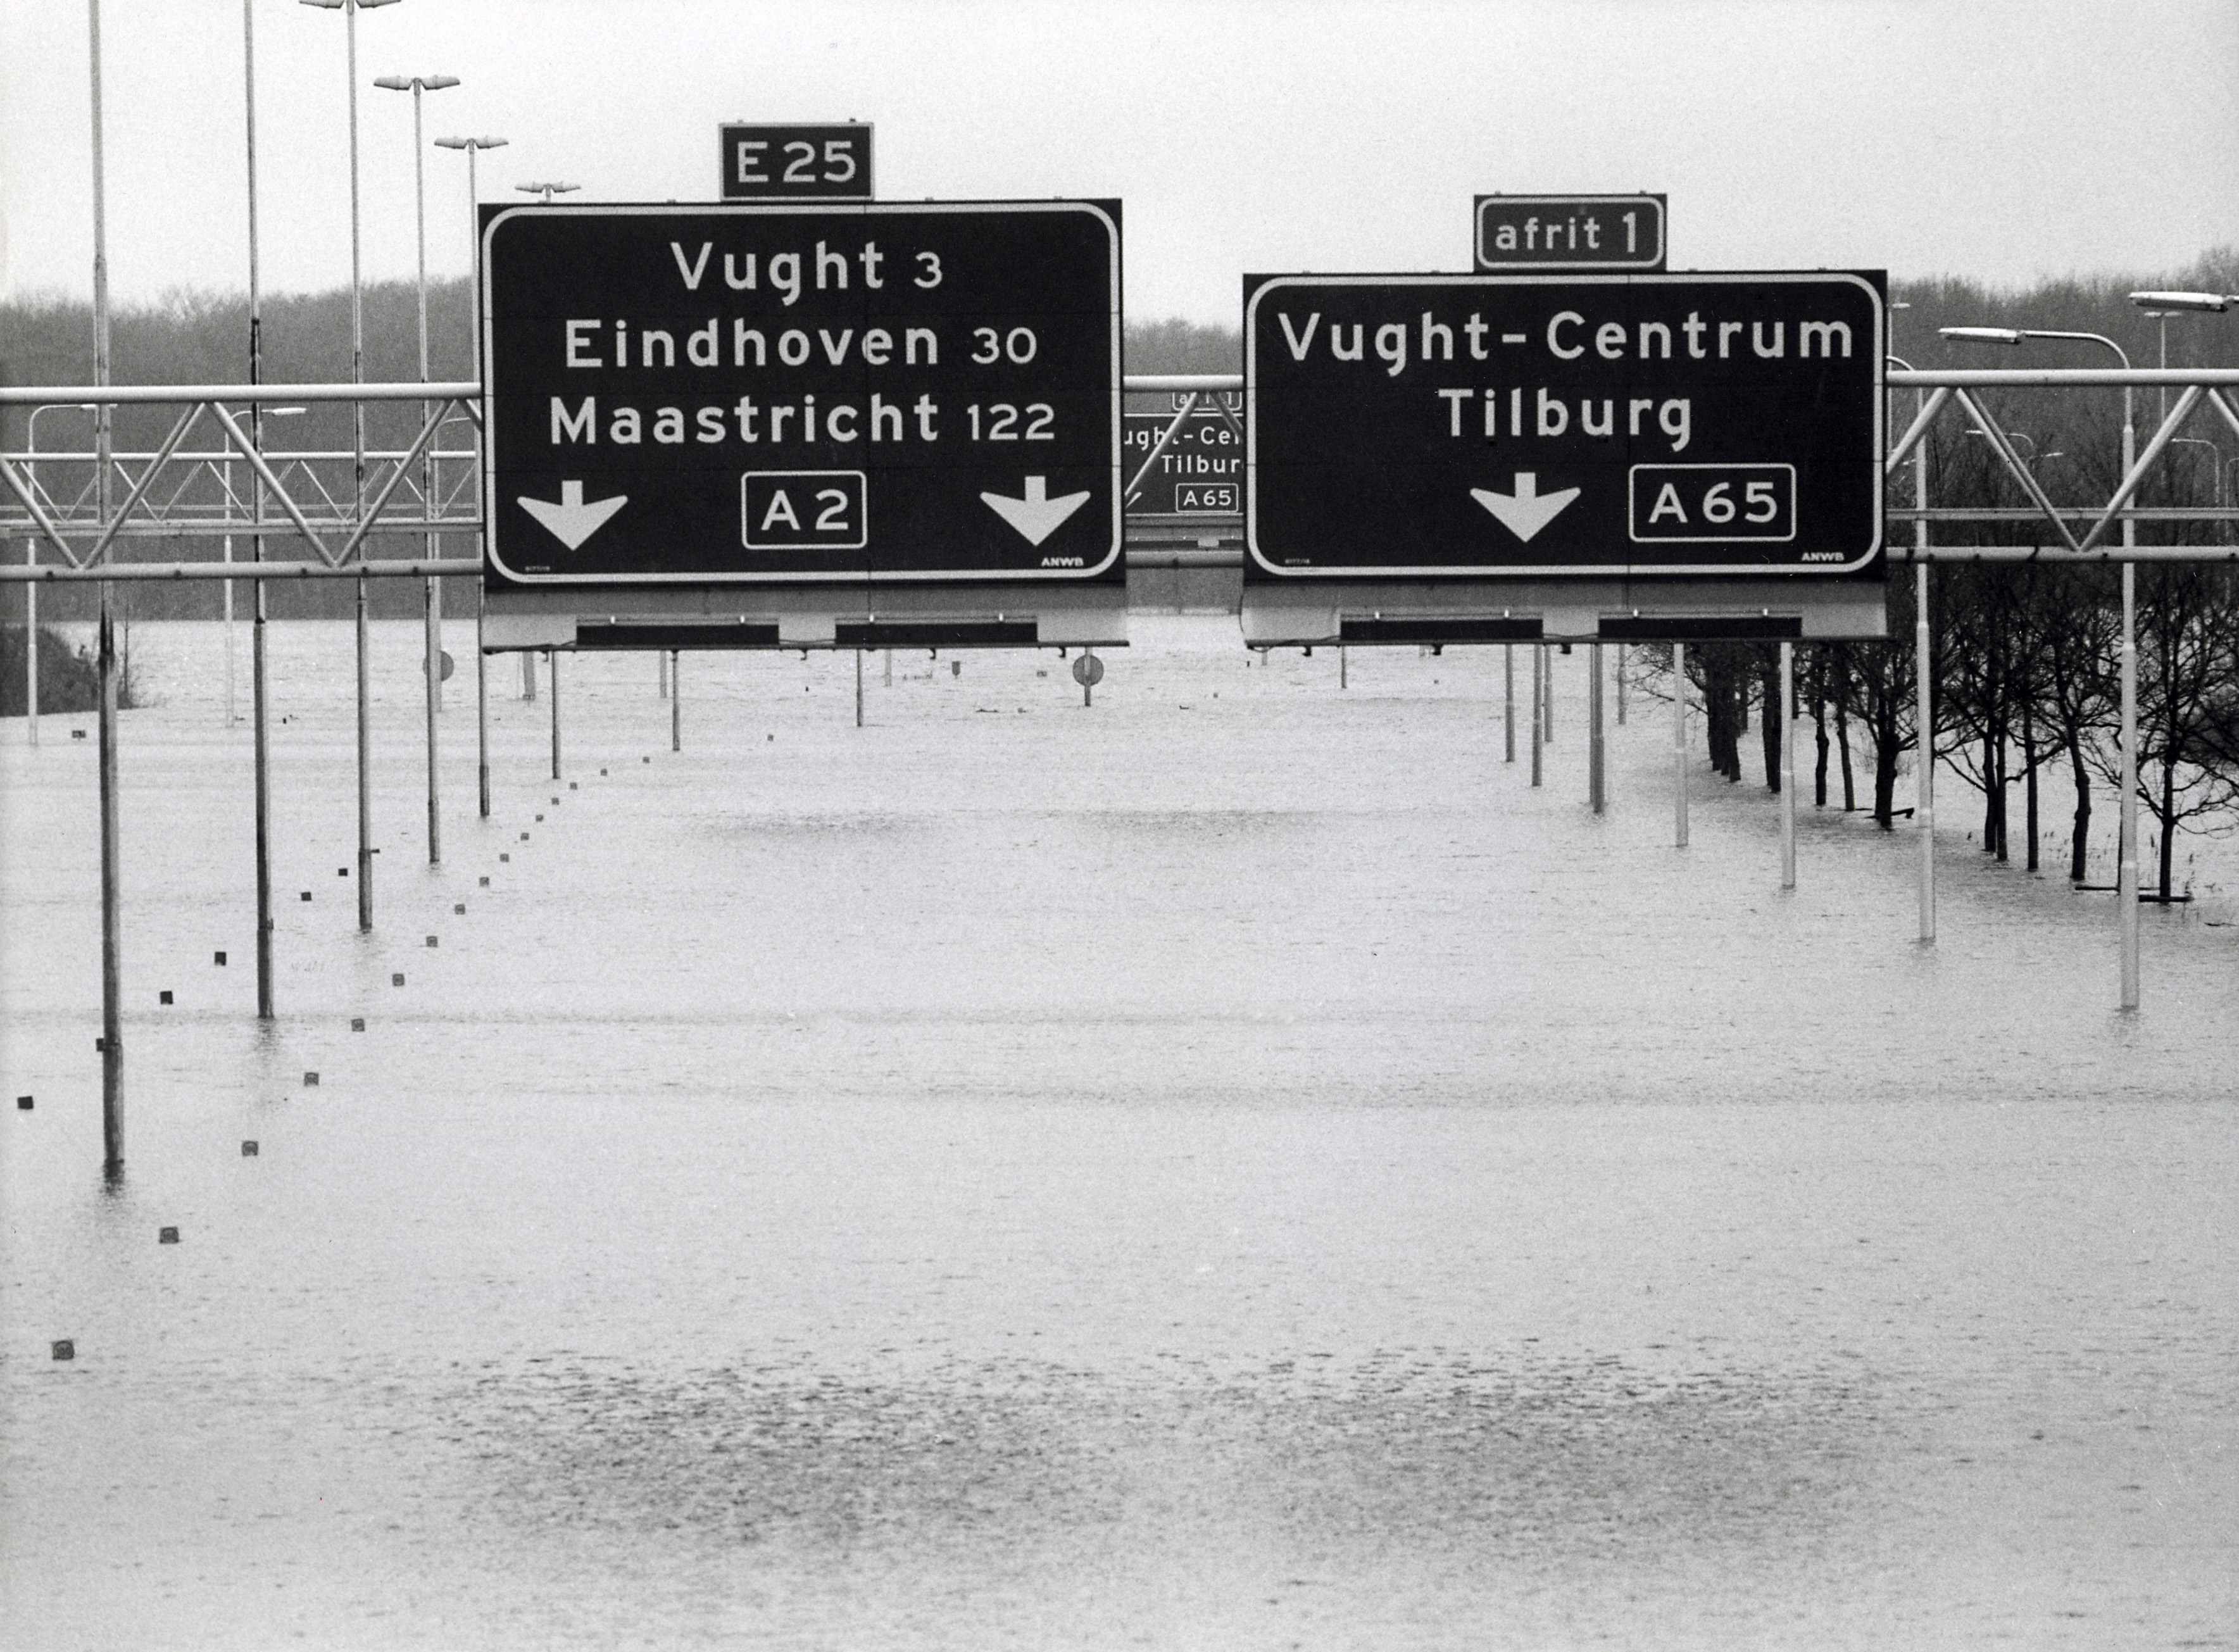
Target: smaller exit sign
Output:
[
  {"x": 797, "y": 163},
  {"x": 1546, "y": 233}
]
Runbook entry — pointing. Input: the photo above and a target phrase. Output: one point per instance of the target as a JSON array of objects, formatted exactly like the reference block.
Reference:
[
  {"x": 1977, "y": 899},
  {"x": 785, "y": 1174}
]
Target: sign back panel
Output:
[
  {"x": 1488, "y": 426},
  {"x": 730, "y": 395}
]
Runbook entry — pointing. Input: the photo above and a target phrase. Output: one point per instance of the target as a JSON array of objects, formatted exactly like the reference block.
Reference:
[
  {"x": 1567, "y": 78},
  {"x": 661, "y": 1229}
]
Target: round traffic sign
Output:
[
  {"x": 1088, "y": 671},
  {"x": 446, "y": 658}
]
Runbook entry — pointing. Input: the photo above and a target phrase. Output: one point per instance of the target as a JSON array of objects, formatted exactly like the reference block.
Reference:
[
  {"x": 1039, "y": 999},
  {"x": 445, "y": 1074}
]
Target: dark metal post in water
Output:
[
  {"x": 435, "y": 691},
  {"x": 1680, "y": 744},
  {"x": 675, "y": 701},
  {"x": 1620, "y": 684},
  {"x": 112, "y": 1026},
  {"x": 364, "y": 763},
  {"x": 260, "y": 703},
  {"x": 1508, "y": 696},
  {"x": 1787, "y": 727},
  {"x": 552, "y": 665},
  {"x": 1597, "y": 780},
  {"x": 858, "y": 688},
  {"x": 661, "y": 654},
  {"x": 1547, "y": 700},
  {"x": 1538, "y": 693},
  {"x": 481, "y": 702},
  {"x": 1340, "y": 666}
]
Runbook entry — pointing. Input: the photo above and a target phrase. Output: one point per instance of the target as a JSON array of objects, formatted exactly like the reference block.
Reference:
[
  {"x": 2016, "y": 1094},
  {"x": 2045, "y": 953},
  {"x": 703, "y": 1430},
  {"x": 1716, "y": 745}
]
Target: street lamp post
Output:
[
  {"x": 349, "y": 9},
  {"x": 432, "y": 589},
  {"x": 472, "y": 146},
  {"x": 2127, "y": 863}
]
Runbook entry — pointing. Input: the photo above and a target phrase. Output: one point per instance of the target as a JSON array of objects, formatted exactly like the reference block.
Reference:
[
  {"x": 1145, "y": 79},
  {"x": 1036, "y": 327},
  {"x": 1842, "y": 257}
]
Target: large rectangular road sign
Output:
[
  {"x": 787, "y": 394},
  {"x": 1466, "y": 426}
]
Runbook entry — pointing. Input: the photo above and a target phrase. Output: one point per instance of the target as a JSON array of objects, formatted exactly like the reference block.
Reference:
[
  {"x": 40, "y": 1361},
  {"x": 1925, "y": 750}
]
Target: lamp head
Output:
[
  {"x": 1982, "y": 335},
  {"x": 2213, "y": 302}
]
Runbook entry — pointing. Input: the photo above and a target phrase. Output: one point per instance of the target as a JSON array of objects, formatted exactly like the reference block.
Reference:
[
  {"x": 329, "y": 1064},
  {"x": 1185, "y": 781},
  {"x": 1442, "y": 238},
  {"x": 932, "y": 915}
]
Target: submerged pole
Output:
[
  {"x": 552, "y": 665},
  {"x": 364, "y": 762},
  {"x": 858, "y": 688},
  {"x": 435, "y": 679},
  {"x": 1596, "y": 776},
  {"x": 112, "y": 1021},
  {"x": 2127, "y": 875},
  {"x": 482, "y": 704},
  {"x": 259, "y": 705},
  {"x": 1508, "y": 698},
  {"x": 1787, "y": 727},
  {"x": 1679, "y": 744},
  {"x": 675, "y": 700},
  {"x": 1538, "y": 693},
  {"x": 1924, "y": 802}
]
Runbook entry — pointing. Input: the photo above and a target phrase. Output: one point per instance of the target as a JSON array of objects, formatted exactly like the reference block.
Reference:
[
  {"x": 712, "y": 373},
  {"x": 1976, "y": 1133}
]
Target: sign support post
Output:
[
  {"x": 1596, "y": 776},
  {"x": 1679, "y": 744},
  {"x": 1787, "y": 727},
  {"x": 1508, "y": 699}
]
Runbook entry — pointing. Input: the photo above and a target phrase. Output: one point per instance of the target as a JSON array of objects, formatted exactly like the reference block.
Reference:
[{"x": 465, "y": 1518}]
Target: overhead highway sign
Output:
[
  {"x": 1495, "y": 428},
  {"x": 882, "y": 395}
]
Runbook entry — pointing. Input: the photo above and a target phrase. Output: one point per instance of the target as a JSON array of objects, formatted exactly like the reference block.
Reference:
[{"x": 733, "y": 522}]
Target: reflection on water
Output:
[{"x": 1255, "y": 1174}]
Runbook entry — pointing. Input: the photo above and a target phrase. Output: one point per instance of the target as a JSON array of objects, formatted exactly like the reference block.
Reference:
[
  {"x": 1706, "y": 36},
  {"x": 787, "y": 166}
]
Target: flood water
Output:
[{"x": 1231, "y": 1167}]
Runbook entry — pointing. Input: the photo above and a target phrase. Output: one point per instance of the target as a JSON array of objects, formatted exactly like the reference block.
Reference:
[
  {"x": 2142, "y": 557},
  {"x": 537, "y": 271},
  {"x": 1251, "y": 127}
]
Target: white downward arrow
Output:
[
  {"x": 1526, "y": 511},
  {"x": 571, "y": 521},
  {"x": 1037, "y": 515}
]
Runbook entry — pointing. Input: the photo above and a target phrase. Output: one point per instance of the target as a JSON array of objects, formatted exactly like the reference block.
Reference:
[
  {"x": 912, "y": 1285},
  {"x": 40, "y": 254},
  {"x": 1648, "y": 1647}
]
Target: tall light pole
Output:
[
  {"x": 349, "y": 9},
  {"x": 433, "y": 591},
  {"x": 2127, "y": 864},
  {"x": 471, "y": 145},
  {"x": 112, "y": 968}
]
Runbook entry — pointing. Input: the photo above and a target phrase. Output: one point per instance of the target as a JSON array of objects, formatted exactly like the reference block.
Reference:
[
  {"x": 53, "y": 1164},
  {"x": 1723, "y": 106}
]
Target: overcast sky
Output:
[{"x": 1974, "y": 137}]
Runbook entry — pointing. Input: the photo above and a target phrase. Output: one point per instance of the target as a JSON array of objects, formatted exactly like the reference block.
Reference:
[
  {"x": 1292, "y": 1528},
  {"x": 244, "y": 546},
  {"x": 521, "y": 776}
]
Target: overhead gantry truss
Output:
[
  {"x": 167, "y": 489},
  {"x": 287, "y": 496}
]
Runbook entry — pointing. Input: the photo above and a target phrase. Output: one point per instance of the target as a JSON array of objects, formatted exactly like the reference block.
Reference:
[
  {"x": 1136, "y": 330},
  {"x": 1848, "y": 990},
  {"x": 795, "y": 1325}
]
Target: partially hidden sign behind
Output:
[
  {"x": 1494, "y": 427},
  {"x": 726, "y": 394}
]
